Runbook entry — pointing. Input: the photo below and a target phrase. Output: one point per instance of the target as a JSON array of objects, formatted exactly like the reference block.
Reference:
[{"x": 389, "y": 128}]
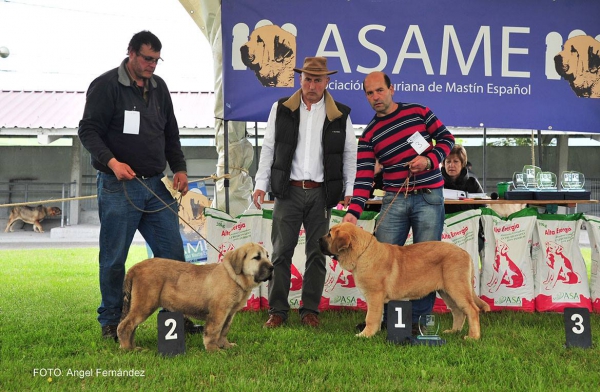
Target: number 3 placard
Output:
[{"x": 577, "y": 327}]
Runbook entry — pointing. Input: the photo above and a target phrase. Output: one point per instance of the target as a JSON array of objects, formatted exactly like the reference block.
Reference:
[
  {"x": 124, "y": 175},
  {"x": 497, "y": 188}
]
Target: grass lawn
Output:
[{"x": 50, "y": 340}]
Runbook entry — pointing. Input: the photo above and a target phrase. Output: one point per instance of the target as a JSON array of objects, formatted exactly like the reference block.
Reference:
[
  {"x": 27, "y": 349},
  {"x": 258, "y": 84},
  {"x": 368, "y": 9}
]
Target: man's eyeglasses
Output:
[{"x": 149, "y": 59}]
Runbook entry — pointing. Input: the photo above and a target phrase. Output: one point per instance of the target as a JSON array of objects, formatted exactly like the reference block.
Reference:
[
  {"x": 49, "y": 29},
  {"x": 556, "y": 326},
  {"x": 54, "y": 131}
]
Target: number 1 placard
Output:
[{"x": 399, "y": 326}]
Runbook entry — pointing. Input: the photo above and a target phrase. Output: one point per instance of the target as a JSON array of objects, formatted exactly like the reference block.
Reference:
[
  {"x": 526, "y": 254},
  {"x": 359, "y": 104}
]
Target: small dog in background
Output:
[{"x": 31, "y": 215}]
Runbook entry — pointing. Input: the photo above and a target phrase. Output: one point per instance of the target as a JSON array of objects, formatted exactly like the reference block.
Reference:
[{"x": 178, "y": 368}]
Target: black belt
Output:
[
  {"x": 426, "y": 191},
  {"x": 146, "y": 177},
  {"x": 306, "y": 184}
]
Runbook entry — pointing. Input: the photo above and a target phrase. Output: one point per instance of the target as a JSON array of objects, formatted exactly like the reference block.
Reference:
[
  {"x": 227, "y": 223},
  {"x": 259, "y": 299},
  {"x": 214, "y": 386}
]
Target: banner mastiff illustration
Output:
[{"x": 526, "y": 64}]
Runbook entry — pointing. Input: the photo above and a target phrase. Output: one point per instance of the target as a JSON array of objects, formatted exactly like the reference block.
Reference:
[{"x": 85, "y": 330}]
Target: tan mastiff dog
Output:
[
  {"x": 211, "y": 292},
  {"x": 579, "y": 64},
  {"x": 385, "y": 272}
]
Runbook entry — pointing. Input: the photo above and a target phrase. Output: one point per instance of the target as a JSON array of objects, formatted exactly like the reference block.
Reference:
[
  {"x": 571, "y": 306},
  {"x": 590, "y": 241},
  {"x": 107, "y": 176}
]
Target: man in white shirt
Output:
[{"x": 308, "y": 162}]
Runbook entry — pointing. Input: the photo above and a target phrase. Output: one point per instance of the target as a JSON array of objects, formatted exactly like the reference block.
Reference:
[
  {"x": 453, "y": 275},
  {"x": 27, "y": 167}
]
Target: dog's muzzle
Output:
[
  {"x": 325, "y": 247},
  {"x": 265, "y": 273}
]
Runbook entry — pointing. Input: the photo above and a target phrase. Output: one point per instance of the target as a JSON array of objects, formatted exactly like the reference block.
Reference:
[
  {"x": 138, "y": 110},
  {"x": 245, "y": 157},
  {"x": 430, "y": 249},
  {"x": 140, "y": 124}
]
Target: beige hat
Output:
[{"x": 315, "y": 66}]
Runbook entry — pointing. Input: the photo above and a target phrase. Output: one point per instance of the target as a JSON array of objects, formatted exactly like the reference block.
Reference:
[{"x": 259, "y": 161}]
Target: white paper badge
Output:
[
  {"x": 131, "y": 124},
  {"x": 418, "y": 142}
]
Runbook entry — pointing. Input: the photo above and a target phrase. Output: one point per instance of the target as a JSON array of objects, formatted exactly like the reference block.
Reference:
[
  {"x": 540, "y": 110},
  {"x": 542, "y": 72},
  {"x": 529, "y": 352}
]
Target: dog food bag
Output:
[
  {"x": 559, "y": 270},
  {"x": 462, "y": 229},
  {"x": 298, "y": 263},
  {"x": 226, "y": 233},
  {"x": 340, "y": 291},
  {"x": 191, "y": 222},
  {"x": 592, "y": 225},
  {"x": 507, "y": 281}
]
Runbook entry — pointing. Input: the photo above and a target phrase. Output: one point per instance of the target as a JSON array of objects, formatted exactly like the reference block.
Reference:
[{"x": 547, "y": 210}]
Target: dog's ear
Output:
[
  {"x": 282, "y": 49},
  {"x": 340, "y": 242},
  {"x": 236, "y": 259},
  {"x": 593, "y": 59}
]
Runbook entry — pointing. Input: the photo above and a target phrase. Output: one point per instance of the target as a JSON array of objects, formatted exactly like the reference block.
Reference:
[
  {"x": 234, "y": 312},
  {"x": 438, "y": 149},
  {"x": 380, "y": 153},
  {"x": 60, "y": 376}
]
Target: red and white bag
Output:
[
  {"x": 560, "y": 272},
  {"x": 592, "y": 225},
  {"x": 226, "y": 233},
  {"x": 339, "y": 291},
  {"x": 462, "y": 230},
  {"x": 507, "y": 281}
]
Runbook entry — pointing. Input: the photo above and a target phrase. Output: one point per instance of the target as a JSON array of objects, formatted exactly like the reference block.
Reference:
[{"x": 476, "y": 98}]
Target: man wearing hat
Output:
[{"x": 308, "y": 162}]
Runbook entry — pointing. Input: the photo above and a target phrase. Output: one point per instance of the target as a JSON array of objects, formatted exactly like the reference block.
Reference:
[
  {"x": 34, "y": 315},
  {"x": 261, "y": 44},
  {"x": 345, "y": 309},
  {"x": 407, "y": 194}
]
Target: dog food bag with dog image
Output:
[
  {"x": 298, "y": 263},
  {"x": 227, "y": 233},
  {"x": 340, "y": 291},
  {"x": 507, "y": 281},
  {"x": 592, "y": 224},
  {"x": 461, "y": 229},
  {"x": 559, "y": 269}
]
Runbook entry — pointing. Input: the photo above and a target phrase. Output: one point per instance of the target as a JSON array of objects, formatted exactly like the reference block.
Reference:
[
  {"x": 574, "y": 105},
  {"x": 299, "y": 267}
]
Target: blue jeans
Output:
[
  {"x": 424, "y": 212},
  {"x": 119, "y": 220}
]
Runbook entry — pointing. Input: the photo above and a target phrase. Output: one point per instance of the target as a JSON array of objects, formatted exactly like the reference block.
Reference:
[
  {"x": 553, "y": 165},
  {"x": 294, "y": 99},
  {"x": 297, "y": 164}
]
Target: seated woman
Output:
[{"x": 456, "y": 176}]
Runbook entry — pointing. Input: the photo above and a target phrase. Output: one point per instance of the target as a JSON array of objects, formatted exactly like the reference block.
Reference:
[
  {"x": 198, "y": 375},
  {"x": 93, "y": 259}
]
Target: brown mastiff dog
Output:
[
  {"x": 271, "y": 53},
  {"x": 31, "y": 215},
  {"x": 579, "y": 63},
  {"x": 385, "y": 272},
  {"x": 211, "y": 292}
]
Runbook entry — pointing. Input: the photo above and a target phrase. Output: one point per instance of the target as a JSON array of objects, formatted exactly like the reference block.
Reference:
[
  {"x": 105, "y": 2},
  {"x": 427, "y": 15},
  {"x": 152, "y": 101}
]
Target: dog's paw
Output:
[
  {"x": 211, "y": 348},
  {"x": 450, "y": 331},
  {"x": 229, "y": 345}
]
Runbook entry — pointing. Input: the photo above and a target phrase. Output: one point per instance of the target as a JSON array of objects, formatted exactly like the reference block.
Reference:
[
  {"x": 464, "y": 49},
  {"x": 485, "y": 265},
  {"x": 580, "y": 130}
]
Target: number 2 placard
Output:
[{"x": 171, "y": 334}]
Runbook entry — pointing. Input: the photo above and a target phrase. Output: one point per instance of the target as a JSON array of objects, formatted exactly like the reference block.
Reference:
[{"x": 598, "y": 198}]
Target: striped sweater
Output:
[{"x": 385, "y": 138}]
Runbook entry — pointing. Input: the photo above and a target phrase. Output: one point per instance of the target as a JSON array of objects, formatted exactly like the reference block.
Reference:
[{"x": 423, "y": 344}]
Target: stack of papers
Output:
[
  {"x": 452, "y": 194},
  {"x": 477, "y": 196}
]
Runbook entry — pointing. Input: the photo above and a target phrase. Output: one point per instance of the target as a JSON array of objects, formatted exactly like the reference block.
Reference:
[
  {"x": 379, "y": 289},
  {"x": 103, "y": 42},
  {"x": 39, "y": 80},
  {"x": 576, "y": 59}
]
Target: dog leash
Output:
[
  {"x": 167, "y": 205},
  {"x": 405, "y": 185}
]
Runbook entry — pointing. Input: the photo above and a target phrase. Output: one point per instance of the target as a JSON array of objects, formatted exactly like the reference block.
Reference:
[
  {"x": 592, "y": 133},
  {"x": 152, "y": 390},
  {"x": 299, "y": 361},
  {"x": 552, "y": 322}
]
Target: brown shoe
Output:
[
  {"x": 274, "y": 321},
  {"x": 311, "y": 320}
]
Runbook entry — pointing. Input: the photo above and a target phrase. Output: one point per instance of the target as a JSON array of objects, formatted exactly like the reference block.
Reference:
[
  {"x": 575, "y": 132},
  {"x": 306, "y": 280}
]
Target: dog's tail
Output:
[
  {"x": 127, "y": 285},
  {"x": 481, "y": 304}
]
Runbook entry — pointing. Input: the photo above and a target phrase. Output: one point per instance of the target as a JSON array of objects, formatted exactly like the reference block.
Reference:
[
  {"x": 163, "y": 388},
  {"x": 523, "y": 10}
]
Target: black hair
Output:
[{"x": 144, "y": 38}]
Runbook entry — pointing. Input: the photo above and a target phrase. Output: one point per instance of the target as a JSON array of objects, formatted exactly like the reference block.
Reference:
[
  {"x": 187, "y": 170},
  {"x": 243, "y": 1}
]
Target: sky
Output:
[{"x": 62, "y": 45}]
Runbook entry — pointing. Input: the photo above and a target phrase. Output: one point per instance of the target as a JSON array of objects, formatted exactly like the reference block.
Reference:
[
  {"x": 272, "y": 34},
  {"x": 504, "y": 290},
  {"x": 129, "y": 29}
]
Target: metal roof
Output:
[{"x": 58, "y": 112}]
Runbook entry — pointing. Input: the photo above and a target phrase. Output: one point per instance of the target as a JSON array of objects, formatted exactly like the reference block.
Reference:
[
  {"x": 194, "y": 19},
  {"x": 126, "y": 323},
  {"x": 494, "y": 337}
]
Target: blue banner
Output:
[{"x": 492, "y": 63}]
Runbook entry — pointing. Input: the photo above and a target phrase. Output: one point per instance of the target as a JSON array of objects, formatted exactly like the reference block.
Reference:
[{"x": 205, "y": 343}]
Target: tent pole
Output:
[
  {"x": 539, "y": 140},
  {"x": 484, "y": 157},
  {"x": 256, "y": 157},
  {"x": 226, "y": 164}
]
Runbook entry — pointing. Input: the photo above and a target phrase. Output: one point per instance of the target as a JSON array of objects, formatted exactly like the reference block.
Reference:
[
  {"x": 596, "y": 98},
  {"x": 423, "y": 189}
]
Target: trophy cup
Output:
[
  {"x": 519, "y": 181},
  {"x": 546, "y": 181},
  {"x": 572, "y": 186},
  {"x": 572, "y": 180},
  {"x": 429, "y": 328},
  {"x": 531, "y": 173}
]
